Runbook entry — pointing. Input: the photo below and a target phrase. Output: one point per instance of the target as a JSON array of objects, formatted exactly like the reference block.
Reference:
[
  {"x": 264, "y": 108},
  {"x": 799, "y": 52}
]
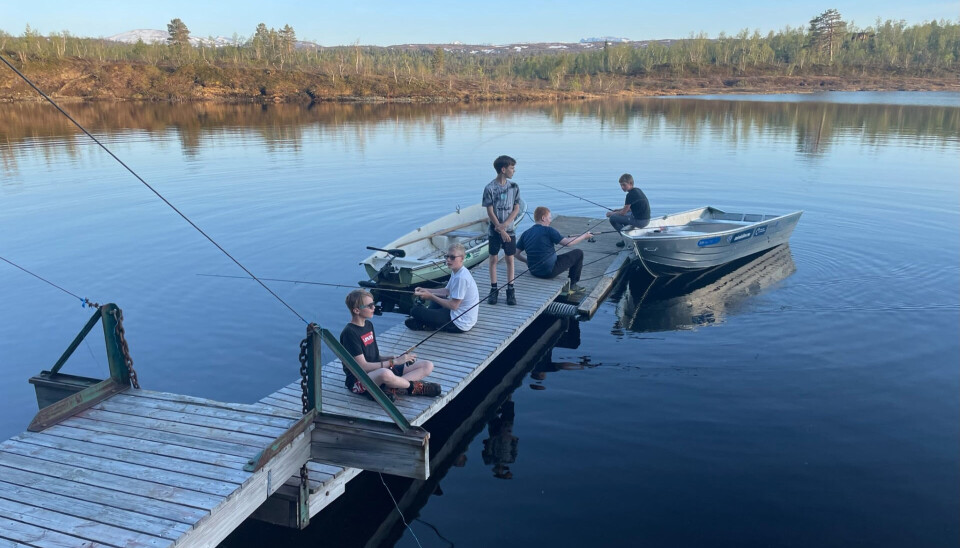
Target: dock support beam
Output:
[{"x": 371, "y": 445}]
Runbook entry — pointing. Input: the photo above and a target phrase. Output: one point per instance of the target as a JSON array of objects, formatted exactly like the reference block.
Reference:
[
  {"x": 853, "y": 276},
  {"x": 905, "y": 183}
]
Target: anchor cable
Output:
[{"x": 134, "y": 173}]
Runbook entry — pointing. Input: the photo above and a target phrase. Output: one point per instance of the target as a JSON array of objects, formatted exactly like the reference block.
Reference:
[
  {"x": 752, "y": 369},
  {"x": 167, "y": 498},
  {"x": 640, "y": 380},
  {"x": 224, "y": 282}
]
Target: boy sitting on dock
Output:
[
  {"x": 635, "y": 210},
  {"x": 397, "y": 375},
  {"x": 538, "y": 241},
  {"x": 500, "y": 198},
  {"x": 455, "y": 307}
]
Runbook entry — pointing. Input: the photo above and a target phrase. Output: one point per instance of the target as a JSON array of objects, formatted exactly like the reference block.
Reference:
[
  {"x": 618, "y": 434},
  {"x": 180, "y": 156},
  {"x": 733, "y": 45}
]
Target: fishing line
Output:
[
  {"x": 397, "y": 506},
  {"x": 575, "y": 196},
  {"x": 435, "y": 530},
  {"x": 84, "y": 301},
  {"x": 134, "y": 173},
  {"x": 302, "y": 282}
]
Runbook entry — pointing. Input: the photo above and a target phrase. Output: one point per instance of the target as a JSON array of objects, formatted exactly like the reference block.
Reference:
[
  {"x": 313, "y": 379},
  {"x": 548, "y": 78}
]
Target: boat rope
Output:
[
  {"x": 83, "y": 300},
  {"x": 498, "y": 289},
  {"x": 139, "y": 178},
  {"x": 397, "y": 506}
]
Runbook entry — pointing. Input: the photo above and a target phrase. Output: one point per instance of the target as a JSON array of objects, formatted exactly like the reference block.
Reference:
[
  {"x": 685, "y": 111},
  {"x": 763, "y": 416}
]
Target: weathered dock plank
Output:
[
  {"x": 107, "y": 515},
  {"x": 147, "y": 469}
]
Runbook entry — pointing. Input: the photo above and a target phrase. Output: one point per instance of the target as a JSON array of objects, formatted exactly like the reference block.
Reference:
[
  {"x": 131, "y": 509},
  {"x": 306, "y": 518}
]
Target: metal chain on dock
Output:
[
  {"x": 304, "y": 399},
  {"x": 118, "y": 316}
]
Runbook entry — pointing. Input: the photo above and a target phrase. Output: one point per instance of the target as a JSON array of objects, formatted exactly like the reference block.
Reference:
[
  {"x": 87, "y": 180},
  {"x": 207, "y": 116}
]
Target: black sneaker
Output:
[
  {"x": 414, "y": 324},
  {"x": 620, "y": 243},
  {"x": 511, "y": 296},
  {"x": 420, "y": 388},
  {"x": 492, "y": 299}
]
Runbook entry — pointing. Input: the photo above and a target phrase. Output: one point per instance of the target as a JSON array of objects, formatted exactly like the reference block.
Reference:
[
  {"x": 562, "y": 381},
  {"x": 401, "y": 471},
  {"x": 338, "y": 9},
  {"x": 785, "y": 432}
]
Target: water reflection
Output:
[
  {"x": 500, "y": 446},
  {"x": 366, "y": 515},
  {"x": 814, "y": 126},
  {"x": 686, "y": 302}
]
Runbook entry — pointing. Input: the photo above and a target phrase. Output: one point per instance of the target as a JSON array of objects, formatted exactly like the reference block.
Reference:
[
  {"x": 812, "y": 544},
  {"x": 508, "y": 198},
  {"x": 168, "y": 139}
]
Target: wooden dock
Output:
[
  {"x": 603, "y": 261},
  {"x": 458, "y": 358},
  {"x": 143, "y": 468}
]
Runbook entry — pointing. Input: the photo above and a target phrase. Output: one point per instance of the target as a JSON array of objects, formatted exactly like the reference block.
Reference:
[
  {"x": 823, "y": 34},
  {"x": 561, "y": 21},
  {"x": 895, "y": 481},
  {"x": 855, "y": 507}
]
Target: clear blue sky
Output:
[{"x": 383, "y": 23}]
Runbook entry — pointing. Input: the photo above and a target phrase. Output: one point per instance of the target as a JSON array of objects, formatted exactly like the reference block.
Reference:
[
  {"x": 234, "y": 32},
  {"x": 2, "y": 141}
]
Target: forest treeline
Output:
[{"x": 273, "y": 65}]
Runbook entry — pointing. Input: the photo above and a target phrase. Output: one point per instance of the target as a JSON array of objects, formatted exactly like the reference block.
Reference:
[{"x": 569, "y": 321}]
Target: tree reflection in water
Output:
[{"x": 815, "y": 126}]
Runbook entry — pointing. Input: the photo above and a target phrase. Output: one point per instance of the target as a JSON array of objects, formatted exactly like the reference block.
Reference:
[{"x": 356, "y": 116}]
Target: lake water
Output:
[{"x": 809, "y": 398}]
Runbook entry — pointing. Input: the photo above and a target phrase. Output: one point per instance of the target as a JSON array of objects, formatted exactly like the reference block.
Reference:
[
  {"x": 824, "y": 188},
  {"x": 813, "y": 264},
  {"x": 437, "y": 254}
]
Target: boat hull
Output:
[
  {"x": 426, "y": 245},
  {"x": 706, "y": 238}
]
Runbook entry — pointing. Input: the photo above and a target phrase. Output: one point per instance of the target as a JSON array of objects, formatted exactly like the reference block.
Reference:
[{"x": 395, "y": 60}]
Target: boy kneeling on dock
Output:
[
  {"x": 537, "y": 242},
  {"x": 397, "y": 375}
]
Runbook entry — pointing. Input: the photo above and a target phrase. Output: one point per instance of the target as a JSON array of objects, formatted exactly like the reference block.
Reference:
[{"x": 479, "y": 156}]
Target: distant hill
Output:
[
  {"x": 612, "y": 39},
  {"x": 151, "y": 36}
]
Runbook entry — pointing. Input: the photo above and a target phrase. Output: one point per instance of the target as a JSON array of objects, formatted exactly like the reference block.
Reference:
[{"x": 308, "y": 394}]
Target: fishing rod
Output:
[
  {"x": 301, "y": 282},
  {"x": 575, "y": 196},
  {"x": 146, "y": 184}
]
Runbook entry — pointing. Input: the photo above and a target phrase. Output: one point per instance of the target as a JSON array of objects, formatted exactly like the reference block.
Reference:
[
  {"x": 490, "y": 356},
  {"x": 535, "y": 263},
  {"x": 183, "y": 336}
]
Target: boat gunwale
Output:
[{"x": 676, "y": 236}]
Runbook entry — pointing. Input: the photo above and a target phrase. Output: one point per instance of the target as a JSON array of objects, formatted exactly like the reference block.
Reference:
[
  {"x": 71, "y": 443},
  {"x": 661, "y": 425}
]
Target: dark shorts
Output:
[
  {"x": 357, "y": 387},
  {"x": 496, "y": 244}
]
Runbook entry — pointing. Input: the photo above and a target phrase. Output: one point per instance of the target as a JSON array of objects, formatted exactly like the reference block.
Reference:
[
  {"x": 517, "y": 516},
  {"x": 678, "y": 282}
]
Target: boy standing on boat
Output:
[
  {"x": 398, "y": 375},
  {"x": 500, "y": 197},
  {"x": 635, "y": 210},
  {"x": 538, "y": 241},
  {"x": 454, "y": 308}
]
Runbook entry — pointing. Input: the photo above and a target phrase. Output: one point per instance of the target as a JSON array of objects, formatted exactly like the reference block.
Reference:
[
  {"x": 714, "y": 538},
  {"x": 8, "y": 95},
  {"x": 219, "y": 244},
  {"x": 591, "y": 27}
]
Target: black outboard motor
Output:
[{"x": 385, "y": 274}]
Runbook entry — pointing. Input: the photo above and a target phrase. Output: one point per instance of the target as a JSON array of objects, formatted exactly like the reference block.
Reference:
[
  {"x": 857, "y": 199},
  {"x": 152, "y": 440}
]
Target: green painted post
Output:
[
  {"x": 118, "y": 365},
  {"x": 76, "y": 342},
  {"x": 313, "y": 367}
]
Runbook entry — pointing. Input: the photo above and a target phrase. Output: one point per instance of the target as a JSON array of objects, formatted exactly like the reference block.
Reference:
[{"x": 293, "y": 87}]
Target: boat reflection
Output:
[{"x": 686, "y": 302}]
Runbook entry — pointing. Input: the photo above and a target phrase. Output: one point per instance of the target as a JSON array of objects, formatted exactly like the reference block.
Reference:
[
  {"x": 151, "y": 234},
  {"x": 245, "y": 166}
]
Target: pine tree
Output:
[
  {"x": 179, "y": 33},
  {"x": 827, "y": 31}
]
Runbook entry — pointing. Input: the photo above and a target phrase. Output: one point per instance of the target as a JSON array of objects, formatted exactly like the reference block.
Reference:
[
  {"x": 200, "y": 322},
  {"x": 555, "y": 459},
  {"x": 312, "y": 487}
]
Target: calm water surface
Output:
[{"x": 808, "y": 398}]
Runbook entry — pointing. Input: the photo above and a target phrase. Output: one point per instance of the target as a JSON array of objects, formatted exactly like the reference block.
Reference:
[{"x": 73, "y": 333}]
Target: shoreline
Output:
[{"x": 374, "y": 90}]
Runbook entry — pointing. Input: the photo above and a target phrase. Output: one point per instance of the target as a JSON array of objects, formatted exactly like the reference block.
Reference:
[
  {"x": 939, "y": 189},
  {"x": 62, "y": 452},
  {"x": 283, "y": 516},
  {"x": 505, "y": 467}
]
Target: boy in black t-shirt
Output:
[
  {"x": 635, "y": 210},
  {"x": 397, "y": 375}
]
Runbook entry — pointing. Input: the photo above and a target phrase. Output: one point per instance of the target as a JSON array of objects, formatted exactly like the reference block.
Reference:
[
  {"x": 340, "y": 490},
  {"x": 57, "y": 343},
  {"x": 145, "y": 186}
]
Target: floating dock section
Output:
[{"x": 135, "y": 467}]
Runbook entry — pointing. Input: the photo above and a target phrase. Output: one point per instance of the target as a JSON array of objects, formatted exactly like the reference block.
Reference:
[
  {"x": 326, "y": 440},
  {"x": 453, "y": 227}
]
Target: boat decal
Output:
[
  {"x": 740, "y": 236},
  {"x": 708, "y": 241},
  {"x": 760, "y": 231}
]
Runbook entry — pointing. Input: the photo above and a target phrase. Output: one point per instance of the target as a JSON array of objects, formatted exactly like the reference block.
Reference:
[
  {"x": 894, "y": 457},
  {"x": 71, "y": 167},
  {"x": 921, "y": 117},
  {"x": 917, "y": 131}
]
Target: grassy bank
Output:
[{"x": 81, "y": 79}]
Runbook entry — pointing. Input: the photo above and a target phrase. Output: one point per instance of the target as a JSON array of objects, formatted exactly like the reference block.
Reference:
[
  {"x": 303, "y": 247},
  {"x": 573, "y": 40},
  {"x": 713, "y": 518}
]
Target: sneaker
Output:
[
  {"x": 621, "y": 243},
  {"x": 574, "y": 288},
  {"x": 420, "y": 388},
  {"x": 492, "y": 299},
  {"x": 511, "y": 296},
  {"x": 414, "y": 324}
]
